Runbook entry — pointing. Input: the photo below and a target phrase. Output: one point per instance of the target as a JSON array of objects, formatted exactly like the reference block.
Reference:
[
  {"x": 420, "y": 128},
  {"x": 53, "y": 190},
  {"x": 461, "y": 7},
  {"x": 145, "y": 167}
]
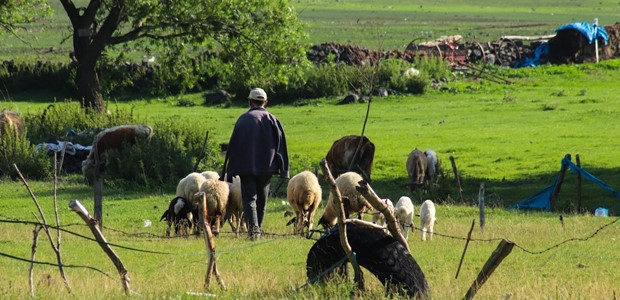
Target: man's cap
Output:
[{"x": 257, "y": 94}]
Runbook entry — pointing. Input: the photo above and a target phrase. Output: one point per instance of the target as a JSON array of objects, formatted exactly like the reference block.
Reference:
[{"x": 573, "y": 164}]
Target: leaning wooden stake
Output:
[
  {"x": 457, "y": 178},
  {"x": 35, "y": 237},
  {"x": 46, "y": 229},
  {"x": 503, "y": 249},
  {"x": 78, "y": 208},
  {"x": 210, "y": 242},
  {"x": 333, "y": 189},
  {"x": 481, "y": 206},
  {"x": 558, "y": 184},
  {"x": 473, "y": 223},
  {"x": 374, "y": 200}
]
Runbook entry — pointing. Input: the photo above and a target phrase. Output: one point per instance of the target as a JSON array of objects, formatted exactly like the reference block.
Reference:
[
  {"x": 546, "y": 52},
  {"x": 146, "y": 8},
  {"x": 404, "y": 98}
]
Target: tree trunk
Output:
[{"x": 89, "y": 90}]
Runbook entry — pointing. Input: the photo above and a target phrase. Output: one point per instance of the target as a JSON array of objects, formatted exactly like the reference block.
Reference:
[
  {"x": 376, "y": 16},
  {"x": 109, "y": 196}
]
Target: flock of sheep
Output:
[{"x": 304, "y": 194}]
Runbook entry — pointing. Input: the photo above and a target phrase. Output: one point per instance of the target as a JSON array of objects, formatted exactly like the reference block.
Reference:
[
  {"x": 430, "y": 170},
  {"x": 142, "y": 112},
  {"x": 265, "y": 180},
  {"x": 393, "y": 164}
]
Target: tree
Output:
[
  {"x": 15, "y": 12},
  {"x": 262, "y": 39}
]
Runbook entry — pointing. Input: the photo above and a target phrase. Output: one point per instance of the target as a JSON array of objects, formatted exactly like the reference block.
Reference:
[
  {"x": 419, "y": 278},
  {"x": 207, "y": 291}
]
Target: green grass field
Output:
[{"x": 510, "y": 137}]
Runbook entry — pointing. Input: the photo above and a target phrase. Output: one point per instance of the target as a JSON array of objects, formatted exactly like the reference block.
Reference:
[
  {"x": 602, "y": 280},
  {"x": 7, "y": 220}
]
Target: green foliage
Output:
[
  {"x": 16, "y": 12},
  {"x": 32, "y": 162},
  {"x": 29, "y": 76}
]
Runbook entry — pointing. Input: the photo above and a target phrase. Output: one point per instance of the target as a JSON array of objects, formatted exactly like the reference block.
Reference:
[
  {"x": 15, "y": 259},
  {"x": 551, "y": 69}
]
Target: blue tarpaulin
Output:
[
  {"x": 590, "y": 31},
  {"x": 542, "y": 200}
]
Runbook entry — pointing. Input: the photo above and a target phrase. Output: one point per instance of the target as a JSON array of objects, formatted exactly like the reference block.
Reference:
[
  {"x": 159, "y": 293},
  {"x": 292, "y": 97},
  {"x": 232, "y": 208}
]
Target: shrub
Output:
[{"x": 32, "y": 163}]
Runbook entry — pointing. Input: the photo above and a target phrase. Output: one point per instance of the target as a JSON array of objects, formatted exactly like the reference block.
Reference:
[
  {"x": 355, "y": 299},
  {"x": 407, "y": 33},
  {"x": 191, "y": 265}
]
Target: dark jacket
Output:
[{"x": 257, "y": 146}]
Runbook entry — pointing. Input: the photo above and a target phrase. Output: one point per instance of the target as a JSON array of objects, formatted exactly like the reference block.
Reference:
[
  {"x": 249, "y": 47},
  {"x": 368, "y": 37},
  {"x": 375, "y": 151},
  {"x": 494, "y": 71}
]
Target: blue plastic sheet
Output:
[{"x": 591, "y": 32}]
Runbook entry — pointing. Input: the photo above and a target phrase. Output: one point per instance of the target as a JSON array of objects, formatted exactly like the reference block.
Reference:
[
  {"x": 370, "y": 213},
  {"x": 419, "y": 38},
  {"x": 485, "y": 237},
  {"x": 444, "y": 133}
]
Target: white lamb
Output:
[
  {"x": 234, "y": 208},
  {"x": 210, "y": 175},
  {"x": 378, "y": 217},
  {"x": 352, "y": 200},
  {"x": 404, "y": 215},
  {"x": 427, "y": 219},
  {"x": 304, "y": 194},
  {"x": 217, "y": 193}
]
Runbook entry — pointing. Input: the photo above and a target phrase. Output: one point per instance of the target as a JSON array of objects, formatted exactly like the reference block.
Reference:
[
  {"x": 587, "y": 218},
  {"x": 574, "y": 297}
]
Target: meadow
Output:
[{"x": 511, "y": 137}]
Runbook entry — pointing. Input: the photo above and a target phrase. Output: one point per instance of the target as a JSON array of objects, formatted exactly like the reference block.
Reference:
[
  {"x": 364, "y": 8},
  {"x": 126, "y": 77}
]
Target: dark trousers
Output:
[{"x": 254, "y": 192}]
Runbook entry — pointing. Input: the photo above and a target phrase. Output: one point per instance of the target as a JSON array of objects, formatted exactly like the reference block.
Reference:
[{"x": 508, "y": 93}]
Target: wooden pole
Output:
[
  {"x": 457, "y": 178},
  {"x": 78, "y": 208},
  {"x": 503, "y": 249},
  {"x": 481, "y": 206},
  {"x": 344, "y": 243},
  {"x": 210, "y": 242},
  {"x": 558, "y": 184},
  {"x": 374, "y": 200},
  {"x": 473, "y": 223},
  {"x": 578, "y": 163},
  {"x": 98, "y": 191}
]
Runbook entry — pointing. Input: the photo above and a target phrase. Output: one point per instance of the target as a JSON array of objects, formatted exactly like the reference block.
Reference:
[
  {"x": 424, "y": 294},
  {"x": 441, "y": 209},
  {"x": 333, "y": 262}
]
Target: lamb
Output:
[
  {"x": 113, "y": 138},
  {"x": 304, "y": 194},
  {"x": 352, "y": 200},
  {"x": 11, "y": 121},
  {"x": 427, "y": 219},
  {"x": 210, "y": 175},
  {"x": 217, "y": 193},
  {"x": 378, "y": 217},
  {"x": 234, "y": 208},
  {"x": 180, "y": 213},
  {"x": 404, "y": 215}
]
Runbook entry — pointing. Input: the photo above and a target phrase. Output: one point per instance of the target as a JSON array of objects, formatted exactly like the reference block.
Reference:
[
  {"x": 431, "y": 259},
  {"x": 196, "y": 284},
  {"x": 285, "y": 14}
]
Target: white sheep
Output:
[
  {"x": 217, "y": 193},
  {"x": 432, "y": 166},
  {"x": 378, "y": 217},
  {"x": 427, "y": 219},
  {"x": 403, "y": 212},
  {"x": 352, "y": 200},
  {"x": 234, "y": 208},
  {"x": 210, "y": 175},
  {"x": 186, "y": 189},
  {"x": 304, "y": 194}
]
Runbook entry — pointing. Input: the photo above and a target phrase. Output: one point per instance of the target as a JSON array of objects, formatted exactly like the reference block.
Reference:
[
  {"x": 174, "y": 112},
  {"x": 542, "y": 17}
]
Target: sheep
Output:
[
  {"x": 217, "y": 193},
  {"x": 186, "y": 189},
  {"x": 432, "y": 166},
  {"x": 304, "y": 194},
  {"x": 210, "y": 175},
  {"x": 427, "y": 219},
  {"x": 234, "y": 208},
  {"x": 403, "y": 212},
  {"x": 352, "y": 200},
  {"x": 11, "y": 121},
  {"x": 416, "y": 168},
  {"x": 378, "y": 217},
  {"x": 113, "y": 138},
  {"x": 181, "y": 214}
]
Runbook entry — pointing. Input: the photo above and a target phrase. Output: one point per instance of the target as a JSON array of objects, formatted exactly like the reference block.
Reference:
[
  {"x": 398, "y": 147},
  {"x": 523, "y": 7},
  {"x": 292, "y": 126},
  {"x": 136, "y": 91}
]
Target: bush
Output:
[{"x": 32, "y": 163}]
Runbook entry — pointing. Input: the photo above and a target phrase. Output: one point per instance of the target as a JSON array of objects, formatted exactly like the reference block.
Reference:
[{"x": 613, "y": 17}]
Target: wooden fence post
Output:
[
  {"x": 481, "y": 206},
  {"x": 503, "y": 249},
  {"x": 78, "y": 208},
  {"x": 578, "y": 163},
  {"x": 210, "y": 242},
  {"x": 558, "y": 184},
  {"x": 457, "y": 178},
  {"x": 473, "y": 223}
]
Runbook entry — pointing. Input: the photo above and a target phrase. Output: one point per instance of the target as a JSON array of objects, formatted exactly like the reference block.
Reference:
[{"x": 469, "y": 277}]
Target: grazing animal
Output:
[
  {"x": 180, "y": 214},
  {"x": 210, "y": 175},
  {"x": 432, "y": 166},
  {"x": 11, "y": 121},
  {"x": 217, "y": 193},
  {"x": 304, "y": 194},
  {"x": 352, "y": 200},
  {"x": 186, "y": 189},
  {"x": 427, "y": 219},
  {"x": 403, "y": 212},
  {"x": 416, "y": 168},
  {"x": 346, "y": 155},
  {"x": 378, "y": 217},
  {"x": 113, "y": 138},
  {"x": 234, "y": 208}
]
